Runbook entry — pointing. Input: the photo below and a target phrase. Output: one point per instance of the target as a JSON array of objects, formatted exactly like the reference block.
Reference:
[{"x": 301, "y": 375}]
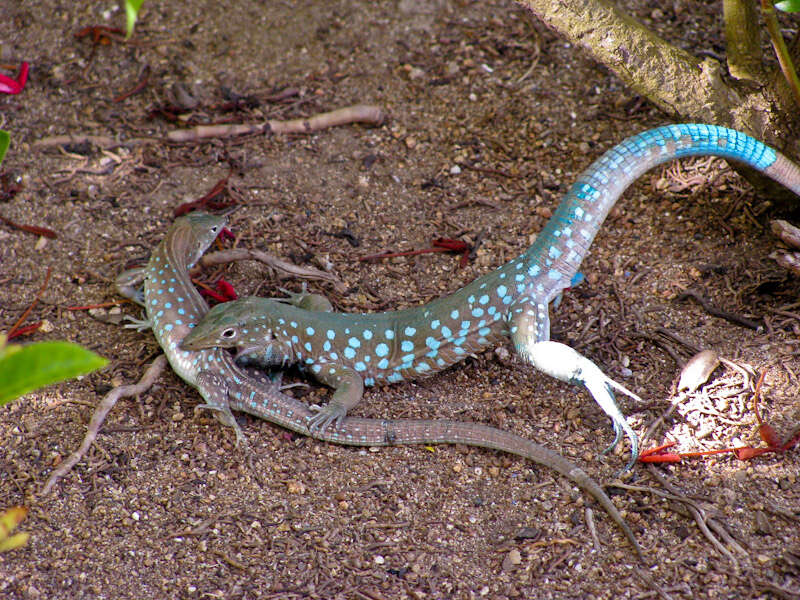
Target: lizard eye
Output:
[{"x": 228, "y": 334}]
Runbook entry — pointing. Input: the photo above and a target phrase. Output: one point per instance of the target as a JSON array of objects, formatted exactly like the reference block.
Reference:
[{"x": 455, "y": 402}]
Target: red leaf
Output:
[
  {"x": 9, "y": 85},
  {"x": 226, "y": 289},
  {"x": 769, "y": 436},
  {"x": 747, "y": 452}
]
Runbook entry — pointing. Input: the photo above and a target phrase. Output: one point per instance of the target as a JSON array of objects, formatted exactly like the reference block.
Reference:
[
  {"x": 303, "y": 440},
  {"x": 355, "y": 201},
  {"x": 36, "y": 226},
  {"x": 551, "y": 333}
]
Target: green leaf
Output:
[
  {"x": 131, "y": 12},
  {"x": 36, "y": 365},
  {"x": 5, "y": 142},
  {"x": 788, "y": 5}
]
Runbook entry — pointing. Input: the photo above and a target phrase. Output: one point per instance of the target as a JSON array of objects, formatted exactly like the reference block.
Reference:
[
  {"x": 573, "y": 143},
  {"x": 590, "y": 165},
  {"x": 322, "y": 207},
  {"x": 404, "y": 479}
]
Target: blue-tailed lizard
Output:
[{"x": 349, "y": 351}]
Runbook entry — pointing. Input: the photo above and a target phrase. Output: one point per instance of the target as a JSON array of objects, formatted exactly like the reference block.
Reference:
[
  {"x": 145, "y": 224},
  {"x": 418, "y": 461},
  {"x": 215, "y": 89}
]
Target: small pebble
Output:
[
  {"x": 762, "y": 526},
  {"x": 512, "y": 559},
  {"x": 295, "y": 487}
]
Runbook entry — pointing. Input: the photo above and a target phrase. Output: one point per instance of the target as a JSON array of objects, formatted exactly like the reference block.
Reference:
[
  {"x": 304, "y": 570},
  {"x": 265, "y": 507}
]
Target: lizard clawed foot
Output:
[
  {"x": 224, "y": 415},
  {"x": 129, "y": 285},
  {"x": 214, "y": 390},
  {"x": 306, "y": 300},
  {"x": 293, "y": 297},
  {"x": 326, "y": 415},
  {"x": 137, "y": 324},
  {"x": 564, "y": 363}
]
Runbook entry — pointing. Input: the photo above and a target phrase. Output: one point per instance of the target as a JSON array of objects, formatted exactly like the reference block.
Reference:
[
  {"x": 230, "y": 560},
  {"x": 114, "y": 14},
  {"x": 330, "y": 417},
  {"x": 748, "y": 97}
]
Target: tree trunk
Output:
[{"x": 678, "y": 83}]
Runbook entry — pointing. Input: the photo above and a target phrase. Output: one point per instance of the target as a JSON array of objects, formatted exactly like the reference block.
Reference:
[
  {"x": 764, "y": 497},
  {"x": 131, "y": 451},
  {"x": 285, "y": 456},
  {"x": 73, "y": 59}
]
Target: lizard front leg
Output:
[
  {"x": 215, "y": 390},
  {"x": 530, "y": 330},
  {"x": 349, "y": 386},
  {"x": 129, "y": 285}
]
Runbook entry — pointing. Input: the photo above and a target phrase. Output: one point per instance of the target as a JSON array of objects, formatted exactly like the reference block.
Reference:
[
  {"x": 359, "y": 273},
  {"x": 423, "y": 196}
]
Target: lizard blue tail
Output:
[{"x": 563, "y": 242}]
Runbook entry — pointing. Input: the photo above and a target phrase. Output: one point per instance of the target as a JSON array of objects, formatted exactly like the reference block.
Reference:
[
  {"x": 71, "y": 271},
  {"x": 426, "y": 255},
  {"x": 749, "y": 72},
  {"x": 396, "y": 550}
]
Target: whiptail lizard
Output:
[
  {"x": 349, "y": 351},
  {"x": 173, "y": 306}
]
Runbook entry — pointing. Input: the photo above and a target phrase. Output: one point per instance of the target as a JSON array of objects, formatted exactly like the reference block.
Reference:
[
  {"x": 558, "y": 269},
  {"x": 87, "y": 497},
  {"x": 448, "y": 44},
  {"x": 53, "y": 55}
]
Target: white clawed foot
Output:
[
  {"x": 137, "y": 324},
  {"x": 562, "y": 362}
]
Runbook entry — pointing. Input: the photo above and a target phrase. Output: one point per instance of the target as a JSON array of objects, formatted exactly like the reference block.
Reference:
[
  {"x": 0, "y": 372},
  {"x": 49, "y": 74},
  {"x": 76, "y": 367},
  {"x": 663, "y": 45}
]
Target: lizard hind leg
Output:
[
  {"x": 530, "y": 333},
  {"x": 129, "y": 285},
  {"x": 306, "y": 300}
]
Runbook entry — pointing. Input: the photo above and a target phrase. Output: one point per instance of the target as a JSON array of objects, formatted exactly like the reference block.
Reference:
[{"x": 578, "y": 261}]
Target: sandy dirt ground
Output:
[{"x": 491, "y": 118}]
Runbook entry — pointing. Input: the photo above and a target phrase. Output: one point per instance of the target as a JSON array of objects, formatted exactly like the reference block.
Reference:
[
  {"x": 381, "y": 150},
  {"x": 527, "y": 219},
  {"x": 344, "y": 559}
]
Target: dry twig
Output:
[
  {"x": 699, "y": 517},
  {"x": 225, "y": 256},
  {"x": 362, "y": 113},
  {"x": 100, "y": 413}
]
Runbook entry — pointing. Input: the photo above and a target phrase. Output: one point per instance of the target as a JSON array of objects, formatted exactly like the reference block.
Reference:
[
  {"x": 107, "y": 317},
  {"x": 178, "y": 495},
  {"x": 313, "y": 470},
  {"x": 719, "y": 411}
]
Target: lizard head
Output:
[
  {"x": 194, "y": 233},
  {"x": 246, "y": 325}
]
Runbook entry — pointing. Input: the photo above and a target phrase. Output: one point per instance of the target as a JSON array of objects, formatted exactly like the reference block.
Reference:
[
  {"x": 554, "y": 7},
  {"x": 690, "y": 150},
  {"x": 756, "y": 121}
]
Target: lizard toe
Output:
[{"x": 326, "y": 415}]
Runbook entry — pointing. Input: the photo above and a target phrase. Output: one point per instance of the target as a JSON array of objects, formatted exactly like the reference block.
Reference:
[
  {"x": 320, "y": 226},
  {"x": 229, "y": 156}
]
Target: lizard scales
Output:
[{"x": 349, "y": 351}]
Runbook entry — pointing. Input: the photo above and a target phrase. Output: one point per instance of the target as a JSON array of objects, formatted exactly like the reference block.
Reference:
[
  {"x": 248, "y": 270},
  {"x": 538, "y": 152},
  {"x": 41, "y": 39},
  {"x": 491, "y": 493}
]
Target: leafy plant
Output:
[
  {"x": 5, "y": 142},
  {"x": 788, "y": 5},
  {"x": 781, "y": 51},
  {"x": 26, "y": 368},
  {"x": 131, "y": 13},
  {"x": 8, "y": 523}
]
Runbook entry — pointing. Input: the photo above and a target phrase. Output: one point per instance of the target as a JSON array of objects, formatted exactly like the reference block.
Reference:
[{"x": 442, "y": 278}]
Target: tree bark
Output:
[
  {"x": 742, "y": 39},
  {"x": 678, "y": 83},
  {"x": 674, "y": 80}
]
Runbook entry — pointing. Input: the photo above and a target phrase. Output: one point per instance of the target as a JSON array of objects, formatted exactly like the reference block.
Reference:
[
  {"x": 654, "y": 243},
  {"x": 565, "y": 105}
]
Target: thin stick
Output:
[
  {"x": 101, "y": 141},
  {"x": 371, "y": 115},
  {"x": 699, "y": 518},
  {"x": 222, "y": 257},
  {"x": 649, "y": 580},
  {"x": 100, "y": 413},
  {"x": 361, "y": 113}
]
